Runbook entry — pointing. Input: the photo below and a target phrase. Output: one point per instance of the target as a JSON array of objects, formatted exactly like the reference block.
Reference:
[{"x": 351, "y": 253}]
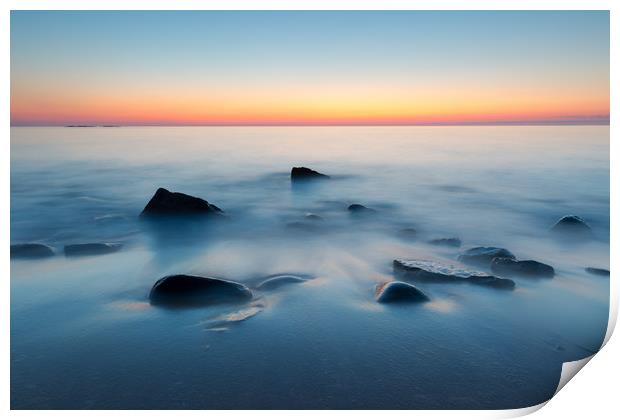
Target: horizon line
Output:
[{"x": 442, "y": 124}]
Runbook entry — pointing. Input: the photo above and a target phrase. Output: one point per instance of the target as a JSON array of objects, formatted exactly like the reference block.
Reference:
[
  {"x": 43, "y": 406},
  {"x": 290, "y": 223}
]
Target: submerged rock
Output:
[
  {"x": 75, "y": 250},
  {"x": 523, "y": 268},
  {"x": 483, "y": 255},
  {"x": 166, "y": 203},
  {"x": 302, "y": 226},
  {"x": 280, "y": 280},
  {"x": 222, "y": 322},
  {"x": 31, "y": 251},
  {"x": 360, "y": 209},
  {"x": 306, "y": 174},
  {"x": 187, "y": 290},
  {"x": 429, "y": 271},
  {"x": 398, "y": 291},
  {"x": 597, "y": 271},
  {"x": 573, "y": 226},
  {"x": 453, "y": 242},
  {"x": 408, "y": 234},
  {"x": 310, "y": 223},
  {"x": 313, "y": 217}
]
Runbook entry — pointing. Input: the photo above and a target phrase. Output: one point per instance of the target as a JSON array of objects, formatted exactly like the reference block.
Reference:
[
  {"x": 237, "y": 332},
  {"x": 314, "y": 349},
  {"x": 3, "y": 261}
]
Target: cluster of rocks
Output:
[
  {"x": 499, "y": 261},
  {"x": 183, "y": 290},
  {"x": 36, "y": 250},
  {"x": 189, "y": 290}
]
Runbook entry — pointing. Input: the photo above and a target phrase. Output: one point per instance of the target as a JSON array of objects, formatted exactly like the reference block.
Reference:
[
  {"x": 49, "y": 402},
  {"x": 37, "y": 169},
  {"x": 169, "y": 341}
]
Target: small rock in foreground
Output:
[
  {"x": 398, "y": 291},
  {"x": 523, "y": 268},
  {"x": 31, "y": 251},
  {"x": 75, "y": 250},
  {"x": 428, "y": 271},
  {"x": 187, "y": 290}
]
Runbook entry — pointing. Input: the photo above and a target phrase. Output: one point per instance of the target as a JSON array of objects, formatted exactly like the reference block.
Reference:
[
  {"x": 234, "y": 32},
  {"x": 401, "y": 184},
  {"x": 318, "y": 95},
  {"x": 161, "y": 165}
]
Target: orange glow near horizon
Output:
[{"x": 301, "y": 107}]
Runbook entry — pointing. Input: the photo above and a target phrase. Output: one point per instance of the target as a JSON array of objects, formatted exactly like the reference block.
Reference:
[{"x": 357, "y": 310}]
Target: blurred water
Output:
[{"x": 84, "y": 336}]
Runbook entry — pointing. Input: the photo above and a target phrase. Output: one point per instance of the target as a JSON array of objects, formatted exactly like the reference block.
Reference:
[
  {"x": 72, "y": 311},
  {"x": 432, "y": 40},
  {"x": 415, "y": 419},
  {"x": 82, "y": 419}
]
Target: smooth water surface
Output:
[{"x": 83, "y": 334}]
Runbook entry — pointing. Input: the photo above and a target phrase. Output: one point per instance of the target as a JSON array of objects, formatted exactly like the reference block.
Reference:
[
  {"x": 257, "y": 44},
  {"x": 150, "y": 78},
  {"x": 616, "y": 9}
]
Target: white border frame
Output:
[{"x": 598, "y": 384}]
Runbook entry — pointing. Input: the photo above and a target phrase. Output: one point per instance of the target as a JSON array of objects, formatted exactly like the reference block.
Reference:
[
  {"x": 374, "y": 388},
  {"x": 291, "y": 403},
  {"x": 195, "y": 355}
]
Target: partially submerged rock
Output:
[
  {"x": 313, "y": 217},
  {"x": 598, "y": 271},
  {"x": 277, "y": 281},
  {"x": 302, "y": 226},
  {"x": 409, "y": 234},
  {"x": 523, "y": 268},
  {"x": 187, "y": 290},
  {"x": 33, "y": 250},
  {"x": 166, "y": 203},
  {"x": 452, "y": 242},
  {"x": 359, "y": 209},
  {"x": 310, "y": 223},
  {"x": 429, "y": 271},
  {"x": 222, "y": 322},
  {"x": 483, "y": 255},
  {"x": 98, "y": 248},
  {"x": 398, "y": 291},
  {"x": 573, "y": 226},
  {"x": 306, "y": 174}
]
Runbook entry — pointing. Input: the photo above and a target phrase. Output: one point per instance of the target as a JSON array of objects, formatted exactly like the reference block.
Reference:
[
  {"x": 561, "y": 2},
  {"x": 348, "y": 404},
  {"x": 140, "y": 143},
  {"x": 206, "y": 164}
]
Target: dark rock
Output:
[
  {"x": 75, "y": 250},
  {"x": 187, "y": 290},
  {"x": 483, "y": 255},
  {"x": 597, "y": 271},
  {"x": 408, "y": 234},
  {"x": 573, "y": 226},
  {"x": 397, "y": 291},
  {"x": 432, "y": 272},
  {"x": 306, "y": 174},
  {"x": 275, "y": 282},
  {"x": 359, "y": 209},
  {"x": 31, "y": 251},
  {"x": 166, "y": 203},
  {"x": 524, "y": 268},
  {"x": 453, "y": 242}
]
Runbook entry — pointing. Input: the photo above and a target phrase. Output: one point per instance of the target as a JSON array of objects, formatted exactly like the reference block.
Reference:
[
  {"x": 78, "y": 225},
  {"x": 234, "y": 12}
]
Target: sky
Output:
[{"x": 309, "y": 68}]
